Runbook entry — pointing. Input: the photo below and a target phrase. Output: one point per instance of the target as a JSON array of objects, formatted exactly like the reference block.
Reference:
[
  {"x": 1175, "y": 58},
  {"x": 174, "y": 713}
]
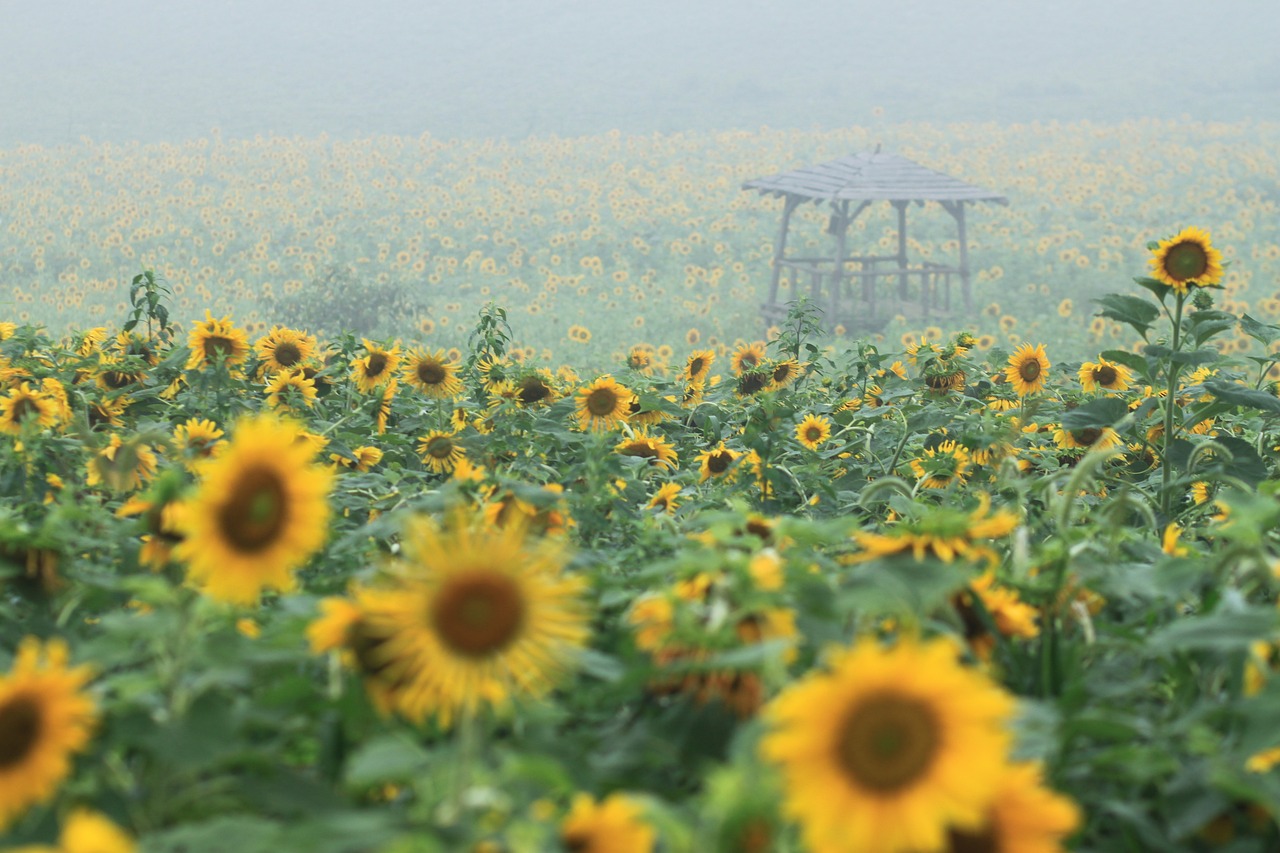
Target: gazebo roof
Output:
[{"x": 871, "y": 177}]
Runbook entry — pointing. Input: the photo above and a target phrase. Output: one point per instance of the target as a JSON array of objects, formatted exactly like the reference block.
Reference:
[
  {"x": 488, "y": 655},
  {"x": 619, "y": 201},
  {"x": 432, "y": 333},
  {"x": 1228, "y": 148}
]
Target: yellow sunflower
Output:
[
  {"x": 613, "y": 825},
  {"x": 603, "y": 405},
  {"x": 1024, "y": 816},
  {"x": 196, "y": 438},
  {"x": 889, "y": 749},
  {"x": 785, "y": 372},
  {"x": 23, "y": 405},
  {"x": 942, "y": 465},
  {"x": 698, "y": 367},
  {"x": 376, "y": 367},
  {"x": 260, "y": 512},
  {"x": 45, "y": 717},
  {"x": 666, "y": 498},
  {"x": 88, "y": 832},
  {"x": 1106, "y": 375},
  {"x": 1028, "y": 369},
  {"x": 813, "y": 431},
  {"x": 718, "y": 463},
  {"x": 440, "y": 451},
  {"x": 1089, "y": 438},
  {"x": 1187, "y": 259},
  {"x": 476, "y": 615},
  {"x": 122, "y": 465},
  {"x": 432, "y": 374},
  {"x": 283, "y": 349},
  {"x": 212, "y": 339},
  {"x": 655, "y": 448},
  {"x": 362, "y": 458},
  {"x": 944, "y": 532},
  {"x": 534, "y": 388},
  {"x": 290, "y": 387},
  {"x": 746, "y": 357}
]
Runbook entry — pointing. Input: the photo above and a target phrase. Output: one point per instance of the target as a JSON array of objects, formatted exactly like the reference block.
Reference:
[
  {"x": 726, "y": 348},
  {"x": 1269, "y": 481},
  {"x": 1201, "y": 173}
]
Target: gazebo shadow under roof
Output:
[{"x": 865, "y": 291}]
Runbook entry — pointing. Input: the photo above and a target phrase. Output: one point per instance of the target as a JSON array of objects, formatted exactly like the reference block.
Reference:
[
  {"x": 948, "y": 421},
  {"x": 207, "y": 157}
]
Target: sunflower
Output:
[
  {"x": 1024, "y": 816},
  {"x": 942, "y": 465},
  {"x": 1012, "y": 616},
  {"x": 196, "y": 438},
  {"x": 603, "y": 405},
  {"x": 283, "y": 349},
  {"x": 440, "y": 451},
  {"x": 889, "y": 749},
  {"x": 785, "y": 372},
  {"x": 289, "y": 387},
  {"x": 640, "y": 359},
  {"x": 1028, "y": 369},
  {"x": 718, "y": 463},
  {"x": 666, "y": 498},
  {"x": 432, "y": 374},
  {"x": 476, "y": 615},
  {"x": 813, "y": 431},
  {"x": 613, "y": 825},
  {"x": 1187, "y": 259},
  {"x": 362, "y": 459},
  {"x": 1089, "y": 438},
  {"x": 1106, "y": 375},
  {"x": 746, "y": 357},
  {"x": 534, "y": 388},
  {"x": 655, "y": 448},
  {"x": 944, "y": 532},
  {"x": 212, "y": 340},
  {"x": 89, "y": 832},
  {"x": 24, "y": 405},
  {"x": 44, "y": 717},
  {"x": 754, "y": 380},
  {"x": 134, "y": 344},
  {"x": 260, "y": 512},
  {"x": 122, "y": 465},
  {"x": 112, "y": 374},
  {"x": 376, "y": 367},
  {"x": 698, "y": 366},
  {"x": 383, "y": 413}
]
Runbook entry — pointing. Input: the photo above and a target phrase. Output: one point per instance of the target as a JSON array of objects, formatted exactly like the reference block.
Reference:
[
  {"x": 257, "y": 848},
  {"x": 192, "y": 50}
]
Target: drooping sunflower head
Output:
[
  {"x": 45, "y": 717},
  {"x": 432, "y": 373},
  {"x": 889, "y": 749},
  {"x": 1188, "y": 259},
  {"x": 752, "y": 381},
  {"x": 216, "y": 340},
  {"x": 666, "y": 498},
  {"x": 655, "y": 448},
  {"x": 1028, "y": 369},
  {"x": 785, "y": 372},
  {"x": 260, "y": 511},
  {"x": 699, "y": 364},
  {"x": 535, "y": 388},
  {"x": 603, "y": 405},
  {"x": 942, "y": 464}
]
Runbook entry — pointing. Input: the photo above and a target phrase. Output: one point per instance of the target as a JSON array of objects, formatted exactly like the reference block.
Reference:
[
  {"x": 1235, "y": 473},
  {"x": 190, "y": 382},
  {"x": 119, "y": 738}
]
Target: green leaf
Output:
[
  {"x": 1103, "y": 412},
  {"x": 1263, "y": 332},
  {"x": 1194, "y": 357},
  {"x": 1225, "y": 630},
  {"x": 386, "y": 759},
  {"x": 1242, "y": 395},
  {"x": 1138, "y": 313},
  {"x": 1206, "y": 324},
  {"x": 1158, "y": 288}
]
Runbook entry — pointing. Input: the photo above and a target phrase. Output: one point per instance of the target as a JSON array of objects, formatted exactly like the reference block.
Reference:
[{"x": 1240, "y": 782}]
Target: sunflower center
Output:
[
  {"x": 1105, "y": 375},
  {"x": 479, "y": 613},
  {"x": 753, "y": 382},
  {"x": 813, "y": 433},
  {"x": 888, "y": 742},
  {"x": 20, "y": 725},
  {"x": 25, "y": 407},
  {"x": 377, "y": 364},
  {"x": 533, "y": 391},
  {"x": 696, "y": 366},
  {"x": 116, "y": 380},
  {"x": 781, "y": 373},
  {"x": 255, "y": 515},
  {"x": 440, "y": 447},
  {"x": 216, "y": 345},
  {"x": 287, "y": 354},
  {"x": 1186, "y": 261},
  {"x": 643, "y": 449},
  {"x": 602, "y": 402},
  {"x": 1029, "y": 370},
  {"x": 431, "y": 372},
  {"x": 719, "y": 462},
  {"x": 1086, "y": 436},
  {"x": 984, "y": 841},
  {"x": 577, "y": 842}
]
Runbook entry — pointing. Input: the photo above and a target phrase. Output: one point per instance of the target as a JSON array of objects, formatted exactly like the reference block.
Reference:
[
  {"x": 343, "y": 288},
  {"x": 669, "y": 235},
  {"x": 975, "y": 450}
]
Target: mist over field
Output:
[{"x": 138, "y": 69}]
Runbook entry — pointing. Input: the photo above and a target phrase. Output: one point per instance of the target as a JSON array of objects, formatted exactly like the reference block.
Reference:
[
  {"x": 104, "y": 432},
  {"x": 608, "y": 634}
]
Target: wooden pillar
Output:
[
  {"x": 901, "y": 207},
  {"x": 780, "y": 248},
  {"x": 837, "y": 270},
  {"x": 958, "y": 213}
]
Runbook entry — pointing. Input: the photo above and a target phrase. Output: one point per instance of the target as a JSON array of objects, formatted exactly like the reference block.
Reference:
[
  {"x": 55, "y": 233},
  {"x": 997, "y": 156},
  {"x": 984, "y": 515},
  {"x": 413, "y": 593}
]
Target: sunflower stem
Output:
[{"x": 1166, "y": 494}]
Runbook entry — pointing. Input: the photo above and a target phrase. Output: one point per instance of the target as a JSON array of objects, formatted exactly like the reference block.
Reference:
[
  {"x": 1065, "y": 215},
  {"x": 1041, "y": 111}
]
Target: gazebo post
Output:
[
  {"x": 957, "y": 210},
  {"x": 780, "y": 246},
  {"x": 901, "y": 207},
  {"x": 837, "y": 270}
]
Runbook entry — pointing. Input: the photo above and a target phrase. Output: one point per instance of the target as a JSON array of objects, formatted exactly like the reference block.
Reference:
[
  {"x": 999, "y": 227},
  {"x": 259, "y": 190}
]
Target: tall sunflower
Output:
[
  {"x": 283, "y": 349},
  {"x": 603, "y": 405},
  {"x": 260, "y": 512},
  {"x": 889, "y": 749},
  {"x": 440, "y": 451},
  {"x": 432, "y": 374},
  {"x": 45, "y": 717},
  {"x": 213, "y": 339},
  {"x": 476, "y": 615},
  {"x": 1188, "y": 259},
  {"x": 376, "y": 367},
  {"x": 613, "y": 825},
  {"x": 1028, "y": 369}
]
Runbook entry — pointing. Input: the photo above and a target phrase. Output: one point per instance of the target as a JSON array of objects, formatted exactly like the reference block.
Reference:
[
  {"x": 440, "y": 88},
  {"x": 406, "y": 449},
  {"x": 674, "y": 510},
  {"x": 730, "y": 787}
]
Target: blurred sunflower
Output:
[
  {"x": 196, "y": 438},
  {"x": 655, "y": 448},
  {"x": 1089, "y": 438},
  {"x": 88, "y": 832},
  {"x": 944, "y": 532},
  {"x": 260, "y": 512},
  {"x": 785, "y": 372},
  {"x": 534, "y": 388},
  {"x": 1028, "y": 369},
  {"x": 1186, "y": 259},
  {"x": 603, "y": 405},
  {"x": 813, "y": 431},
  {"x": 432, "y": 374},
  {"x": 1024, "y": 816},
  {"x": 45, "y": 717},
  {"x": 888, "y": 750},
  {"x": 290, "y": 387},
  {"x": 1104, "y": 374},
  {"x": 376, "y": 367},
  {"x": 440, "y": 451},
  {"x": 212, "y": 340},
  {"x": 23, "y": 405},
  {"x": 362, "y": 459},
  {"x": 613, "y": 825},
  {"x": 666, "y": 498}
]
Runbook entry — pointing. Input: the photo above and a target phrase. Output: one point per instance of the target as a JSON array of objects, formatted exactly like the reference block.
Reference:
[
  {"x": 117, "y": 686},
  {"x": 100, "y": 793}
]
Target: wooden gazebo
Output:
[{"x": 864, "y": 291}]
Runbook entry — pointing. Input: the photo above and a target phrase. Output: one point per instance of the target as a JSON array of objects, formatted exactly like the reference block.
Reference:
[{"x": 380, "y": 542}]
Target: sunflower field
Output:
[{"x": 425, "y": 496}]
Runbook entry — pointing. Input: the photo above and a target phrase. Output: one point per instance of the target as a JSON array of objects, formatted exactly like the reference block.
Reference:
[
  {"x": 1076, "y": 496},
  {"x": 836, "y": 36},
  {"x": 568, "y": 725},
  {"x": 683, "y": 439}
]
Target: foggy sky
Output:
[{"x": 142, "y": 69}]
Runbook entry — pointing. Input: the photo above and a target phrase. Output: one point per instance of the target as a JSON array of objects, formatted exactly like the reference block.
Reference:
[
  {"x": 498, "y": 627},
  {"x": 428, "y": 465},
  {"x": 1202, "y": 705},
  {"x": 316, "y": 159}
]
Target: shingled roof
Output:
[{"x": 871, "y": 177}]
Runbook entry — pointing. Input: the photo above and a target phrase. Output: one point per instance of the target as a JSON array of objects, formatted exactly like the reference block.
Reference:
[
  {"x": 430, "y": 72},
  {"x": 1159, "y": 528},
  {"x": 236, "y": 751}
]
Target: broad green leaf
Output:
[
  {"x": 1103, "y": 412},
  {"x": 1138, "y": 313},
  {"x": 1242, "y": 395}
]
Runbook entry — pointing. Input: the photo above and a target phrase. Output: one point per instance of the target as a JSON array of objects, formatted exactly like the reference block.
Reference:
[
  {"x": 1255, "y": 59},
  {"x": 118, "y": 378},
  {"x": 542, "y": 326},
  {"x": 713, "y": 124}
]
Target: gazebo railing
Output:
[{"x": 868, "y": 290}]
